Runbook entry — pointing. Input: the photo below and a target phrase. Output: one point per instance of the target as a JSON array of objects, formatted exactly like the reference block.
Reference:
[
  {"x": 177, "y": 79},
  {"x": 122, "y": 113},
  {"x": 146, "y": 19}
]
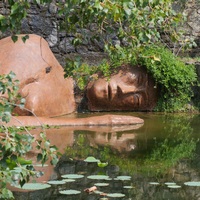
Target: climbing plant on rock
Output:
[{"x": 135, "y": 22}]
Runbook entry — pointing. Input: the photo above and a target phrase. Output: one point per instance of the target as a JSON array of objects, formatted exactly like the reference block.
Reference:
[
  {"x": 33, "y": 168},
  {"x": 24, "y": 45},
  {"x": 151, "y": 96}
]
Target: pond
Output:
[{"x": 157, "y": 160}]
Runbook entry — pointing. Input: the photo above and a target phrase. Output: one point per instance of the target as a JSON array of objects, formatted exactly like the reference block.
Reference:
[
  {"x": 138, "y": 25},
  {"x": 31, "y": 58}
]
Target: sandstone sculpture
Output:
[
  {"x": 41, "y": 78},
  {"x": 131, "y": 88},
  {"x": 43, "y": 86},
  {"x": 104, "y": 120}
]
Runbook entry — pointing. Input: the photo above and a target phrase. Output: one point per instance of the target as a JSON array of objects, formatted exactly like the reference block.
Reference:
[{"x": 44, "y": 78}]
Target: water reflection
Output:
[{"x": 161, "y": 151}]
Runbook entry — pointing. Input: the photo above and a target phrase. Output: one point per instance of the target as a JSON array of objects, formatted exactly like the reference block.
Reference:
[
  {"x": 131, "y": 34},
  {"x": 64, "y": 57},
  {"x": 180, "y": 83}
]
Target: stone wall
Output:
[
  {"x": 44, "y": 21},
  {"x": 192, "y": 25}
]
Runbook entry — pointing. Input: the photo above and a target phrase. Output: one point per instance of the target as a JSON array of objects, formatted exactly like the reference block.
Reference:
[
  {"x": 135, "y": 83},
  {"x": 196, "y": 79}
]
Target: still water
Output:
[{"x": 153, "y": 161}]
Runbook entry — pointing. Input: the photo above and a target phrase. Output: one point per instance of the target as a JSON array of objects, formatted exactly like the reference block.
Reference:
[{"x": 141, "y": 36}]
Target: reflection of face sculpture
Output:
[
  {"x": 123, "y": 143},
  {"x": 129, "y": 89}
]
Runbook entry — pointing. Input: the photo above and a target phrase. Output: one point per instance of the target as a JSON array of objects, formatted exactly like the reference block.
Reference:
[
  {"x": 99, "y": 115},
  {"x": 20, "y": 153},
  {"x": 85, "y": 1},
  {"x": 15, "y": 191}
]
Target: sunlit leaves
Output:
[
  {"x": 173, "y": 76},
  {"x": 24, "y": 38},
  {"x": 1, "y": 17},
  {"x": 5, "y": 116},
  {"x": 15, "y": 145},
  {"x": 91, "y": 159}
]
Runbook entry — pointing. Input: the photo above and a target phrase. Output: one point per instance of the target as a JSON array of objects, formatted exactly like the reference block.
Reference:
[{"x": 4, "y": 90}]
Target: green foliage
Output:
[
  {"x": 15, "y": 169},
  {"x": 136, "y": 22},
  {"x": 15, "y": 143},
  {"x": 170, "y": 152},
  {"x": 83, "y": 73},
  {"x": 9, "y": 95},
  {"x": 172, "y": 76},
  {"x": 17, "y": 11}
]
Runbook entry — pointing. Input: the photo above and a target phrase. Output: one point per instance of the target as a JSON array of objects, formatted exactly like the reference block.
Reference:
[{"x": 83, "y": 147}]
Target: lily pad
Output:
[
  {"x": 56, "y": 182},
  {"x": 98, "y": 177},
  {"x": 34, "y": 186},
  {"x": 170, "y": 183},
  {"x": 72, "y": 176},
  {"x": 154, "y": 183},
  {"x": 101, "y": 184},
  {"x": 91, "y": 159},
  {"x": 123, "y": 178},
  {"x": 116, "y": 195},
  {"x": 174, "y": 186},
  {"x": 128, "y": 187},
  {"x": 98, "y": 192},
  {"x": 68, "y": 180},
  {"x": 192, "y": 183},
  {"x": 69, "y": 192}
]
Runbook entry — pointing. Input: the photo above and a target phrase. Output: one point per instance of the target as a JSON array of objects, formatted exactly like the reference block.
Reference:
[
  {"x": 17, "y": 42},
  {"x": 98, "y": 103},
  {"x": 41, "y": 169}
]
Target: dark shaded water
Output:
[{"x": 165, "y": 149}]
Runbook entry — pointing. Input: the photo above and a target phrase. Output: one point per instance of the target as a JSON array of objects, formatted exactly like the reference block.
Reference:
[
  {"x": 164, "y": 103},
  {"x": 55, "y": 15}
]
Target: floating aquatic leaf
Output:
[
  {"x": 34, "y": 186},
  {"x": 56, "y": 182},
  {"x": 174, "y": 186},
  {"x": 98, "y": 192},
  {"x": 116, "y": 195},
  {"x": 101, "y": 164},
  {"x": 128, "y": 187},
  {"x": 91, "y": 159},
  {"x": 98, "y": 177},
  {"x": 72, "y": 176},
  {"x": 69, "y": 192},
  {"x": 101, "y": 184},
  {"x": 154, "y": 183},
  {"x": 123, "y": 178},
  {"x": 170, "y": 183},
  {"x": 68, "y": 180},
  {"x": 192, "y": 183}
]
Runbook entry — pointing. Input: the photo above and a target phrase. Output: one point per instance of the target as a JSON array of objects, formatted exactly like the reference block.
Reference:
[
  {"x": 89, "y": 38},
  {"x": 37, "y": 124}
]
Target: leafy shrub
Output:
[
  {"x": 174, "y": 77},
  {"x": 14, "y": 145}
]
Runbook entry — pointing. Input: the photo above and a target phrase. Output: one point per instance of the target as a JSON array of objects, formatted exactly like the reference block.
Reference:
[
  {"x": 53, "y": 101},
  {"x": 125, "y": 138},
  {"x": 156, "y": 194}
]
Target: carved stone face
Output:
[
  {"x": 41, "y": 78},
  {"x": 130, "y": 89}
]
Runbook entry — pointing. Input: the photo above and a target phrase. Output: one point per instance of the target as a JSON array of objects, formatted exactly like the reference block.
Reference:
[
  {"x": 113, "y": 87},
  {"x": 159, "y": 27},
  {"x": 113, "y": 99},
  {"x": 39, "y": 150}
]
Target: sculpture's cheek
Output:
[{"x": 49, "y": 95}]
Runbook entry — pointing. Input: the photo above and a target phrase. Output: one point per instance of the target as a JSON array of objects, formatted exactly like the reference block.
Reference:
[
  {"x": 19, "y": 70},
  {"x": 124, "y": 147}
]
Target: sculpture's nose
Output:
[
  {"x": 118, "y": 90},
  {"x": 124, "y": 90}
]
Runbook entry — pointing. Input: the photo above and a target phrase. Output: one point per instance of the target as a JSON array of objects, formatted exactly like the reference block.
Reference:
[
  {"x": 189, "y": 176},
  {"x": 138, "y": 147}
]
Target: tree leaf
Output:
[{"x": 14, "y": 38}]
